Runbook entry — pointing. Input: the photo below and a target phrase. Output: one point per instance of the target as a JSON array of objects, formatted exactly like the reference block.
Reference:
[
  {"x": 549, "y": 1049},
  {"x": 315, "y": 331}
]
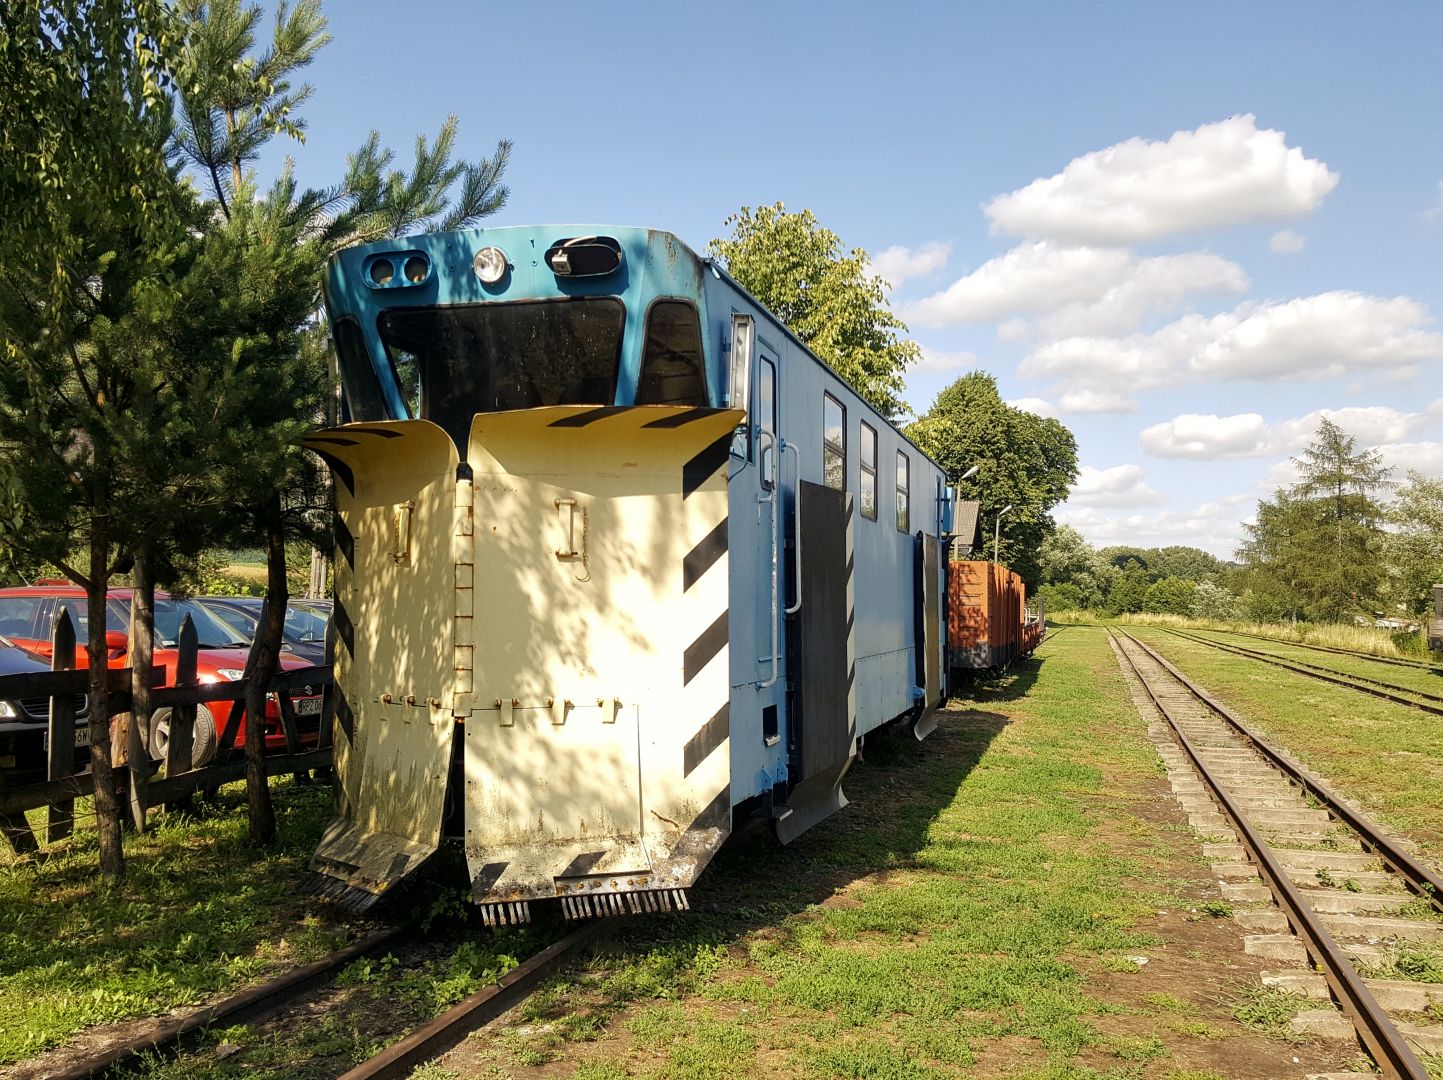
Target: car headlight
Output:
[
  {"x": 9, "y": 710},
  {"x": 234, "y": 674}
]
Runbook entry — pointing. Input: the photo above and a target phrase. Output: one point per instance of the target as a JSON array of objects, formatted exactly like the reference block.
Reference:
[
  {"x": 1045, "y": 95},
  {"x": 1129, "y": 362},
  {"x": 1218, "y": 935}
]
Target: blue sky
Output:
[{"x": 1184, "y": 232}]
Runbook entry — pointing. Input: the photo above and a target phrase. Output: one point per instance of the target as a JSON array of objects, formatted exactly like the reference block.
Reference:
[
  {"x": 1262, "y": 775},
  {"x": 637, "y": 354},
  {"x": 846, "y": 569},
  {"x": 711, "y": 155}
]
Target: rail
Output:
[
  {"x": 1361, "y": 683},
  {"x": 1377, "y": 1032}
]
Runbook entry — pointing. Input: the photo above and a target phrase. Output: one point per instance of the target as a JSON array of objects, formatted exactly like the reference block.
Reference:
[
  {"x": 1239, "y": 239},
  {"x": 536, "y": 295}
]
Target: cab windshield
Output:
[{"x": 452, "y": 362}]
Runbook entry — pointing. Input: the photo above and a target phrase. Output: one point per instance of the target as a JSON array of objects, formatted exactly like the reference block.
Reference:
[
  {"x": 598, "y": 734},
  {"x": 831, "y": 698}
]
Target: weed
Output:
[
  {"x": 1325, "y": 877},
  {"x": 1218, "y": 909},
  {"x": 1139, "y": 1049},
  {"x": 1270, "y": 1010}
]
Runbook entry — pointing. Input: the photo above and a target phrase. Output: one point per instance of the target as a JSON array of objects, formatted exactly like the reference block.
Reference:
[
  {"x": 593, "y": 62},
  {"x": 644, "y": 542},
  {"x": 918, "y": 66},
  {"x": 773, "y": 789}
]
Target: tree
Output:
[
  {"x": 1320, "y": 543},
  {"x": 1212, "y": 601},
  {"x": 92, "y": 227},
  {"x": 1023, "y": 460},
  {"x": 1128, "y": 594},
  {"x": 826, "y": 296},
  {"x": 1169, "y": 596},
  {"x": 1413, "y": 549},
  {"x": 1067, "y": 561},
  {"x": 234, "y": 100}
]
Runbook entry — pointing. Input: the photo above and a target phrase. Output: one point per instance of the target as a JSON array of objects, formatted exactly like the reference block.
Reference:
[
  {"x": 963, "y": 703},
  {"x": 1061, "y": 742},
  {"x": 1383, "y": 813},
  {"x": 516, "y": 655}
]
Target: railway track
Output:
[
  {"x": 167, "y": 1038},
  {"x": 1401, "y": 695},
  {"x": 1397, "y": 661},
  {"x": 1288, "y": 842}
]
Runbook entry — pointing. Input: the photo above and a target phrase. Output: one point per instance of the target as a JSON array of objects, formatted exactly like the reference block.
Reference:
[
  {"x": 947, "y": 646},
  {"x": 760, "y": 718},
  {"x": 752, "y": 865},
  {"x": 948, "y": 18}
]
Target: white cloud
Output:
[
  {"x": 897, "y": 263},
  {"x": 1081, "y": 290},
  {"x": 1010, "y": 330},
  {"x": 1209, "y": 438},
  {"x": 1096, "y": 401},
  {"x": 1312, "y": 337},
  {"x": 1286, "y": 242},
  {"x": 933, "y": 360},
  {"x": 1119, "y": 486},
  {"x": 1034, "y": 405},
  {"x": 1426, "y": 457},
  {"x": 1226, "y": 173},
  {"x": 1214, "y": 526}
]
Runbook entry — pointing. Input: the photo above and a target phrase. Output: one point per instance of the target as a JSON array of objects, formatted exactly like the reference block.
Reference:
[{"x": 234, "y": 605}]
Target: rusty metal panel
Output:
[
  {"x": 394, "y": 617},
  {"x": 596, "y": 757}
]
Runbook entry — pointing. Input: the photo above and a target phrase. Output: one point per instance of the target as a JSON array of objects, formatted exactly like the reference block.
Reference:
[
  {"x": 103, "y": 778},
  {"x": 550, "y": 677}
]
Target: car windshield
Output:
[
  {"x": 305, "y": 624},
  {"x": 210, "y": 632}
]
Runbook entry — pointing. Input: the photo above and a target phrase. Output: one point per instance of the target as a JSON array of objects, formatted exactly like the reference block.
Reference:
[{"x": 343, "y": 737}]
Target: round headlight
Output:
[
  {"x": 416, "y": 269},
  {"x": 382, "y": 271},
  {"x": 490, "y": 265}
]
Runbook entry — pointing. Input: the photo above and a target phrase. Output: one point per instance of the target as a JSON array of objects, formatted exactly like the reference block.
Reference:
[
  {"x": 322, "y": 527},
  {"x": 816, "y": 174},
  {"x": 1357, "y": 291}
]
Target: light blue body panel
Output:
[{"x": 655, "y": 265}]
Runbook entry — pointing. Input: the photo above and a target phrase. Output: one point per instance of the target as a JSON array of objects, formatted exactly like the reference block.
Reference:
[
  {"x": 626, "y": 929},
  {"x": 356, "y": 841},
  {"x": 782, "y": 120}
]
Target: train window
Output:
[
  {"x": 869, "y": 471},
  {"x": 766, "y": 406},
  {"x": 359, "y": 384},
  {"x": 491, "y": 357},
  {"x": 904, "y": 478},
  {"x": 671, "y": 363},
  {"x": 834, "y": 443}
]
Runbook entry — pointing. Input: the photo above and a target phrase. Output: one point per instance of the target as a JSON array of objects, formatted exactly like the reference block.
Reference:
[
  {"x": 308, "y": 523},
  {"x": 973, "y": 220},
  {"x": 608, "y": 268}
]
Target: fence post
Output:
[
  {"x": 142, "y": 653},
  {"x": 61, "y": 814},
  {"x": 180, "y": 747}
]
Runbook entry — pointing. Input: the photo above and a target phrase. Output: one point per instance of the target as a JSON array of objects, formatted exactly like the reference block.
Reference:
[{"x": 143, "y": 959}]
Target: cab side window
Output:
[
  {"x": 834, "y": 443},
  {"x": 671, "y": 362}
]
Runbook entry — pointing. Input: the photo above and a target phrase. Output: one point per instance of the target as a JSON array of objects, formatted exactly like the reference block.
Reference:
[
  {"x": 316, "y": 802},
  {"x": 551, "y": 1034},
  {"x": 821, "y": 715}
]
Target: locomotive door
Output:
[{"x": 825, "y": 730}]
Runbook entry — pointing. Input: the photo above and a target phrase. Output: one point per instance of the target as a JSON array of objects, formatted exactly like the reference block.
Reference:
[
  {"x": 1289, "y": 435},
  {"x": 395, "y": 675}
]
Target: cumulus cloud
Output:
[
  {"x": 1209, "y": 438},
  {"x": 897, "y": 263},
  {"x": 1312, "y": 337},
  {"x": 1035, "y": 405},
  {"x": 1226, "y": 173},
  {"x": 1013, "y": 330},
  {"x": 1286, "y": 242},
  {"x": 1214, "y": 526},
  {"x": 1426, "y": 457},
  {"x": 1119, "y": 486},
  {"x": 1096, "y": 401},
  {"x": 932, "y": 360},
  {"x": 1080, "y": 290}
]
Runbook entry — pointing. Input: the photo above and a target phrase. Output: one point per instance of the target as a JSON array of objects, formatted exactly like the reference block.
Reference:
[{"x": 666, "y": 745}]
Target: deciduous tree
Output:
[
  {"x": 825, "y": 294},
  {"x": 1023, "y": 460}
]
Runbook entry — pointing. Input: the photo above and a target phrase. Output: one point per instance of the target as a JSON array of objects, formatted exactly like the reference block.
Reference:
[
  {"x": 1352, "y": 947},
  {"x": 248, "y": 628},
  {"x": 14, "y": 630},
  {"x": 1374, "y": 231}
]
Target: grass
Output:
[
  {"x": 198, "y": 914},
  {"x": 946, "y": 917},
  {"x": 1387, "y": 756}
]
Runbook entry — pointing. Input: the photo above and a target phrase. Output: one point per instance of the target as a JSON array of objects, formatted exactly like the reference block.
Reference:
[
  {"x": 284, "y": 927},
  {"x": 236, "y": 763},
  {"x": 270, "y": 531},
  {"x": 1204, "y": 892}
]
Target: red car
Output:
[{"x": 27, "y": 618}]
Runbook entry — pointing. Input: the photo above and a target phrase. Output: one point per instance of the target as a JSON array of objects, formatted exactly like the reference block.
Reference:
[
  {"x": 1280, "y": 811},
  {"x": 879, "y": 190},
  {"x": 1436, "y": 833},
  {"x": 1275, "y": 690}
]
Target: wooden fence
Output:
[{"x": 142, "y": 782}]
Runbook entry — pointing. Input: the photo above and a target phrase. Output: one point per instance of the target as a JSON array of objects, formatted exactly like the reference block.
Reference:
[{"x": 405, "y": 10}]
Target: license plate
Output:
[
  {"x": 82, "y": 737},
  {"x": 310, "y": 706}
]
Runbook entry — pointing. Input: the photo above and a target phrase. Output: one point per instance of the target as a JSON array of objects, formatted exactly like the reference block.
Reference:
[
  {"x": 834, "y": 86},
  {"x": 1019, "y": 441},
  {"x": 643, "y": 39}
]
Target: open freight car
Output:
[{"x": 618, "y": 558}]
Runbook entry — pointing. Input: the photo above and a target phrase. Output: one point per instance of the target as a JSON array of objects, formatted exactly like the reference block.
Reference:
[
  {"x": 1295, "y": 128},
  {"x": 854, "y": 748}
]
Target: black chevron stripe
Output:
[
  {"x": 707, "y": 738},
  {"x": 701, "y": 651},
  {"x": 341, "y": 470},
  {"x": 703, "y": 467},
  {"x": 591, "y": 417},
  {"x": 703, "y": 557},
  {"x": 345, "y": 542},
  {"x": 682, "y": 419},
  {"x": 344, "y": 627}
]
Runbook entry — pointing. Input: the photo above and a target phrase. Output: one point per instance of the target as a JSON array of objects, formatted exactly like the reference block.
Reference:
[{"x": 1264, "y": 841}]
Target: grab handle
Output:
[
  {"x": 796, "y": 525},
  {"x": 771, "y": 497}
]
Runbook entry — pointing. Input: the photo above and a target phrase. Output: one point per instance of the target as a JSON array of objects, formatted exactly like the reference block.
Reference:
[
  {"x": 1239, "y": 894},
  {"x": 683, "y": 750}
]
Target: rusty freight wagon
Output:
[{"x": 988, "y": 624}]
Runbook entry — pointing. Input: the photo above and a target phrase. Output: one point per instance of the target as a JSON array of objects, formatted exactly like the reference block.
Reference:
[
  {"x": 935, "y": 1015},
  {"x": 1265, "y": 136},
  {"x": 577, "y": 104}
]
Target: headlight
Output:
[
  {"x": 490, "y": 265},
  {"x": 234, "y": 674},
  {"x": 9, "y": 710}
]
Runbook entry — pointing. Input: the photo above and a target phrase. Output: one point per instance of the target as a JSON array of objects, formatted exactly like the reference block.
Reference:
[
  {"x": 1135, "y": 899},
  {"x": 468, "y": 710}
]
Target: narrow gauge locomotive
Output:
[{"x": 617, "y": 559}]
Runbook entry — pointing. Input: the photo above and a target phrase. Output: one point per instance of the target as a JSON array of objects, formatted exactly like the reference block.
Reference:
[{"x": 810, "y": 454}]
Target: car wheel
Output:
[{"x": 204, "y": 740}]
